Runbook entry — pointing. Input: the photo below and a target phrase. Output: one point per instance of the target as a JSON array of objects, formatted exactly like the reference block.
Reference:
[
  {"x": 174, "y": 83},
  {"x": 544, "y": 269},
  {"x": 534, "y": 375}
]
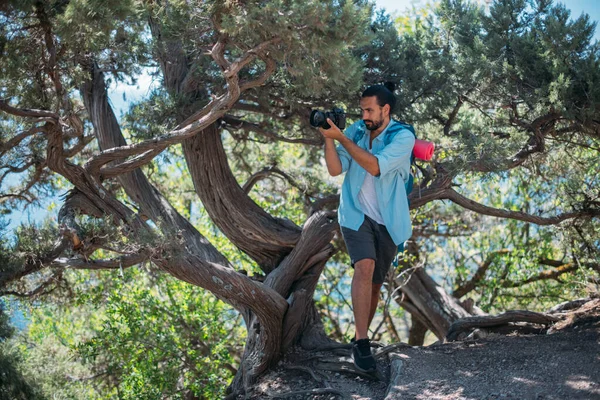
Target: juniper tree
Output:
[{"x": 507, "y": 92}]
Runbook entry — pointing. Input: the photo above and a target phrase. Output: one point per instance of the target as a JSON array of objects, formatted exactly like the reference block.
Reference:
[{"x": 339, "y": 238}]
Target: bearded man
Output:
[{"x": 375, "y": 153}]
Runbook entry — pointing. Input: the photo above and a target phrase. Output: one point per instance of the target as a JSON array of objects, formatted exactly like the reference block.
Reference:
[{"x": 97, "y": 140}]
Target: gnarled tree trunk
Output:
[
  {"x": 427, "y": 302},
  {"x": 278, "y": 312}
]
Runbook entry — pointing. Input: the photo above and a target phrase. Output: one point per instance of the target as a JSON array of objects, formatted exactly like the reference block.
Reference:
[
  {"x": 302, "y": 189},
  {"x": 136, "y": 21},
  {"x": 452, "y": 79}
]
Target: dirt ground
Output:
[{"x": 564, "y": 364}]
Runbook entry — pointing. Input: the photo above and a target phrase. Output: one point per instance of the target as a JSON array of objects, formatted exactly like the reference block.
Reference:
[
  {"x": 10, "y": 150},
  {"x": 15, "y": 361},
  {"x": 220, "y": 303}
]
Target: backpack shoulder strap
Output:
[
  {"x": 407, "y": 126},
  {"x": 403, "y": 125}
]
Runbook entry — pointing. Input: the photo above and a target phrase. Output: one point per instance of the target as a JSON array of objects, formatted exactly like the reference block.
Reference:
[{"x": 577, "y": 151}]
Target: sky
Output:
[
  {"x": 577, "y": 7},
  {"x": 120, "y": 95}
]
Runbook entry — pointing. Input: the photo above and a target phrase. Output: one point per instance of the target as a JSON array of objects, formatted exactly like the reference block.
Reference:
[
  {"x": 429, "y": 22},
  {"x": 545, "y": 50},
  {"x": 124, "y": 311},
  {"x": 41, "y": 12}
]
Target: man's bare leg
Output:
[
  {"x": 375, "y": 289},
  {"x": 362, "y": 292}
]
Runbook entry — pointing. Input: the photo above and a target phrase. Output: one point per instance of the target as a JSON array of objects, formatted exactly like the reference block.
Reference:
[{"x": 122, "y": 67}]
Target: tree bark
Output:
[
  {"x": 265, "y": 239},
  {"x": 292, "y": 258},
  {"x": 488, "y": 321},
  {"x": 135, "y": 183},
  {"x": 416, "y": 336},
  {"x": 429, "y": 302},
  {"x": 195, "y": 260}
]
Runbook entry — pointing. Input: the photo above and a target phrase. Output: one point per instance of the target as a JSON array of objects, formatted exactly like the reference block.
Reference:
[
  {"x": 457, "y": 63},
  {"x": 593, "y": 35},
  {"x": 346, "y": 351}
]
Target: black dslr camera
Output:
[{"x": 318, "y": 118}]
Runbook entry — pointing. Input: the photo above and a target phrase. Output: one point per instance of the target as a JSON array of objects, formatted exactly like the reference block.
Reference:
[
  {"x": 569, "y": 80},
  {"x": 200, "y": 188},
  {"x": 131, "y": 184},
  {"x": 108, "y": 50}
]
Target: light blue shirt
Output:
[{"x": 393, "y": 148}]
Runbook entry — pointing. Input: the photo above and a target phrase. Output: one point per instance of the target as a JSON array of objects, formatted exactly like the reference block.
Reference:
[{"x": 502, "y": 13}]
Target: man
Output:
[{"x": 373, "y": 214}]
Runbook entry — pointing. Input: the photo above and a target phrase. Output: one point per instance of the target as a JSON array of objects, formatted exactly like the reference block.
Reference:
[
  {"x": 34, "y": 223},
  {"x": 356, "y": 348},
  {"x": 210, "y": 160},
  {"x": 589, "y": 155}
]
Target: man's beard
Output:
[{"x": 373, "y": 126}]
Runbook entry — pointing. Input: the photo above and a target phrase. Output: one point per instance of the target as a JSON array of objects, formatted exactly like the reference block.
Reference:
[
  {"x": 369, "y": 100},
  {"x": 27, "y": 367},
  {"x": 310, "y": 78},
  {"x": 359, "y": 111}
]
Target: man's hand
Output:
[{"x": 333, "y": 132}]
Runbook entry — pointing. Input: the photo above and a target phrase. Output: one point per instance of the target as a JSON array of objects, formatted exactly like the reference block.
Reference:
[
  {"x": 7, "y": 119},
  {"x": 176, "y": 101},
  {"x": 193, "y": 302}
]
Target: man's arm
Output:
[
  {"x": 332, "y": 159},
  {"x": 362, "y": 157},
  {"x": 397, "y": 153},
  {"x": 365, "y": 159}
]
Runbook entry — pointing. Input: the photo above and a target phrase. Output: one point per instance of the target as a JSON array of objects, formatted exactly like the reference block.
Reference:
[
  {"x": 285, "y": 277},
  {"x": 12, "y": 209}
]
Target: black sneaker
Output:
[{"x": 361, "y": 354}]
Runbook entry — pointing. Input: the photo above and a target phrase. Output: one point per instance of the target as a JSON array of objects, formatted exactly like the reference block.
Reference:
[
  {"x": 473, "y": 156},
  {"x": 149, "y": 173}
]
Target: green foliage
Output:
[
  {"x": 31, "y": 242},
  {"x": 137, "y": 333},
  {"x": 160, "y": 336},
  {"x": 502, "y": 68},
  {"x": 520, "y": 52},
  {"x": 113, "y": 31},
  {"x": 132, "y": 334},
  {"x": 316, "y": 39},
  {"x": 13, "y": 385},
  {"x": 514, "y": 250},
  {"x": 151, "y": 117}
]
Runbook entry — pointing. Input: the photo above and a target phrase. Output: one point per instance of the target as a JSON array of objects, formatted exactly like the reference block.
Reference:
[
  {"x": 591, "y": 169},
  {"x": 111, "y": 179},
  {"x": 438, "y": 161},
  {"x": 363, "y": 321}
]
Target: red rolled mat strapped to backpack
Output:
[{"x": 423, "y": 149}]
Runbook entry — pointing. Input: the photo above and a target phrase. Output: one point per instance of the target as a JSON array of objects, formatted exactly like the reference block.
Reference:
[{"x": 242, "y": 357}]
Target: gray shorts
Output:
[{"x": 373, "y": 241}]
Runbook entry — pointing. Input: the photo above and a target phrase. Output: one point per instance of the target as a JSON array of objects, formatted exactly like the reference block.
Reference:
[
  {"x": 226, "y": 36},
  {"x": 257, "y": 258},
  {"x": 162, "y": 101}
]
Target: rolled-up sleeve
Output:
[
  {"x": 345, "y": 157},
  {"x": 397, "y": 153}
]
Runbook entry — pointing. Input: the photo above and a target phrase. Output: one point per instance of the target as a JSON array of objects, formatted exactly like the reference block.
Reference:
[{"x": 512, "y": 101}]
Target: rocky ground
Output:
[{"x": 563, "y": 363}]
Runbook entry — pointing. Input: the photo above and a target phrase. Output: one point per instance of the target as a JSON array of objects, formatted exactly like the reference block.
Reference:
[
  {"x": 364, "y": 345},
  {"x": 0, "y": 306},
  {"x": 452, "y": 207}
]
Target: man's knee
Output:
[{"x": 364, "y": 267}]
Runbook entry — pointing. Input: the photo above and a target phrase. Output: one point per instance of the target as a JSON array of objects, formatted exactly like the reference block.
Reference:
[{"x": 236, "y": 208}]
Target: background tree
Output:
[
  {"x": 13, "y": 385},
  {"x": 508, "y": 95}
]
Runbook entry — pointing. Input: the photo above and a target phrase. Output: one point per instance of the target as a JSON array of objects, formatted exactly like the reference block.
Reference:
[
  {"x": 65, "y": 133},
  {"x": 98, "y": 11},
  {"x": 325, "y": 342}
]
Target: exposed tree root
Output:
[
  {"x": 388, "y": 349},
  {"x": 321, "y": 368},
  {"x": 579, "y": 314},
  {"x": 569, "y": 305},
  {"x": 309, "y": 371},
  {"x": 311, "y": 392},
  {"x": 459, "y": 328},
  {"x": 333, "y": 346},
  {"x": 325, "y": 370},
  {"x": 348, "y": 368}
]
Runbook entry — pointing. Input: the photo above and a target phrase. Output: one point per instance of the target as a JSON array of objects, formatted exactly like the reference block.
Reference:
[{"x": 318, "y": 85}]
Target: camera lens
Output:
[{"x": 318, "y": 119}]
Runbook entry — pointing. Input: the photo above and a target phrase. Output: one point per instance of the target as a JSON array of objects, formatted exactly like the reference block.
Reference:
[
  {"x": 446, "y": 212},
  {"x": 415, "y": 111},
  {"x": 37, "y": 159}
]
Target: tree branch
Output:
[
  {"x": 459, "y": 199},
  {"x": 266, "y": 172},
  {"x": 266, "y": 239},
  {"x": 130, "y": 165},
  {"x": 136, "y": 185},
  {"x": 28, "y": 112},
  {"x": 193, "y": 259},
  {"x": 419, "y": 196},
  {"x": 50, "y": 63},
  {"x": 33, "y": 264},
  {"x": 18, "y": 138},
  {"x": 452, "y": 116},
  {"x": 465, "y": 324},
  {"x": 259, "y": 50},
  {"x": 76, "y": 200},
  {"x": 82, "y": 141},
  {"x": 549, "y": 274},
  {"x": 236, "y": 123},
  {"x": 319, "y": 204},
  {"x": 479, "y": 274},
  {"x": 121, "y": 262},
  {"x": 230, "y": 72},
  {"x": 316, "y": 234},
  {"x": 200, "y": 120},
  {"x": 535, "y": 144},
  {"x": 269, "y": 69},
  {"x": 34, "y": 292},
  {"x": 8, "y": 196}
]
